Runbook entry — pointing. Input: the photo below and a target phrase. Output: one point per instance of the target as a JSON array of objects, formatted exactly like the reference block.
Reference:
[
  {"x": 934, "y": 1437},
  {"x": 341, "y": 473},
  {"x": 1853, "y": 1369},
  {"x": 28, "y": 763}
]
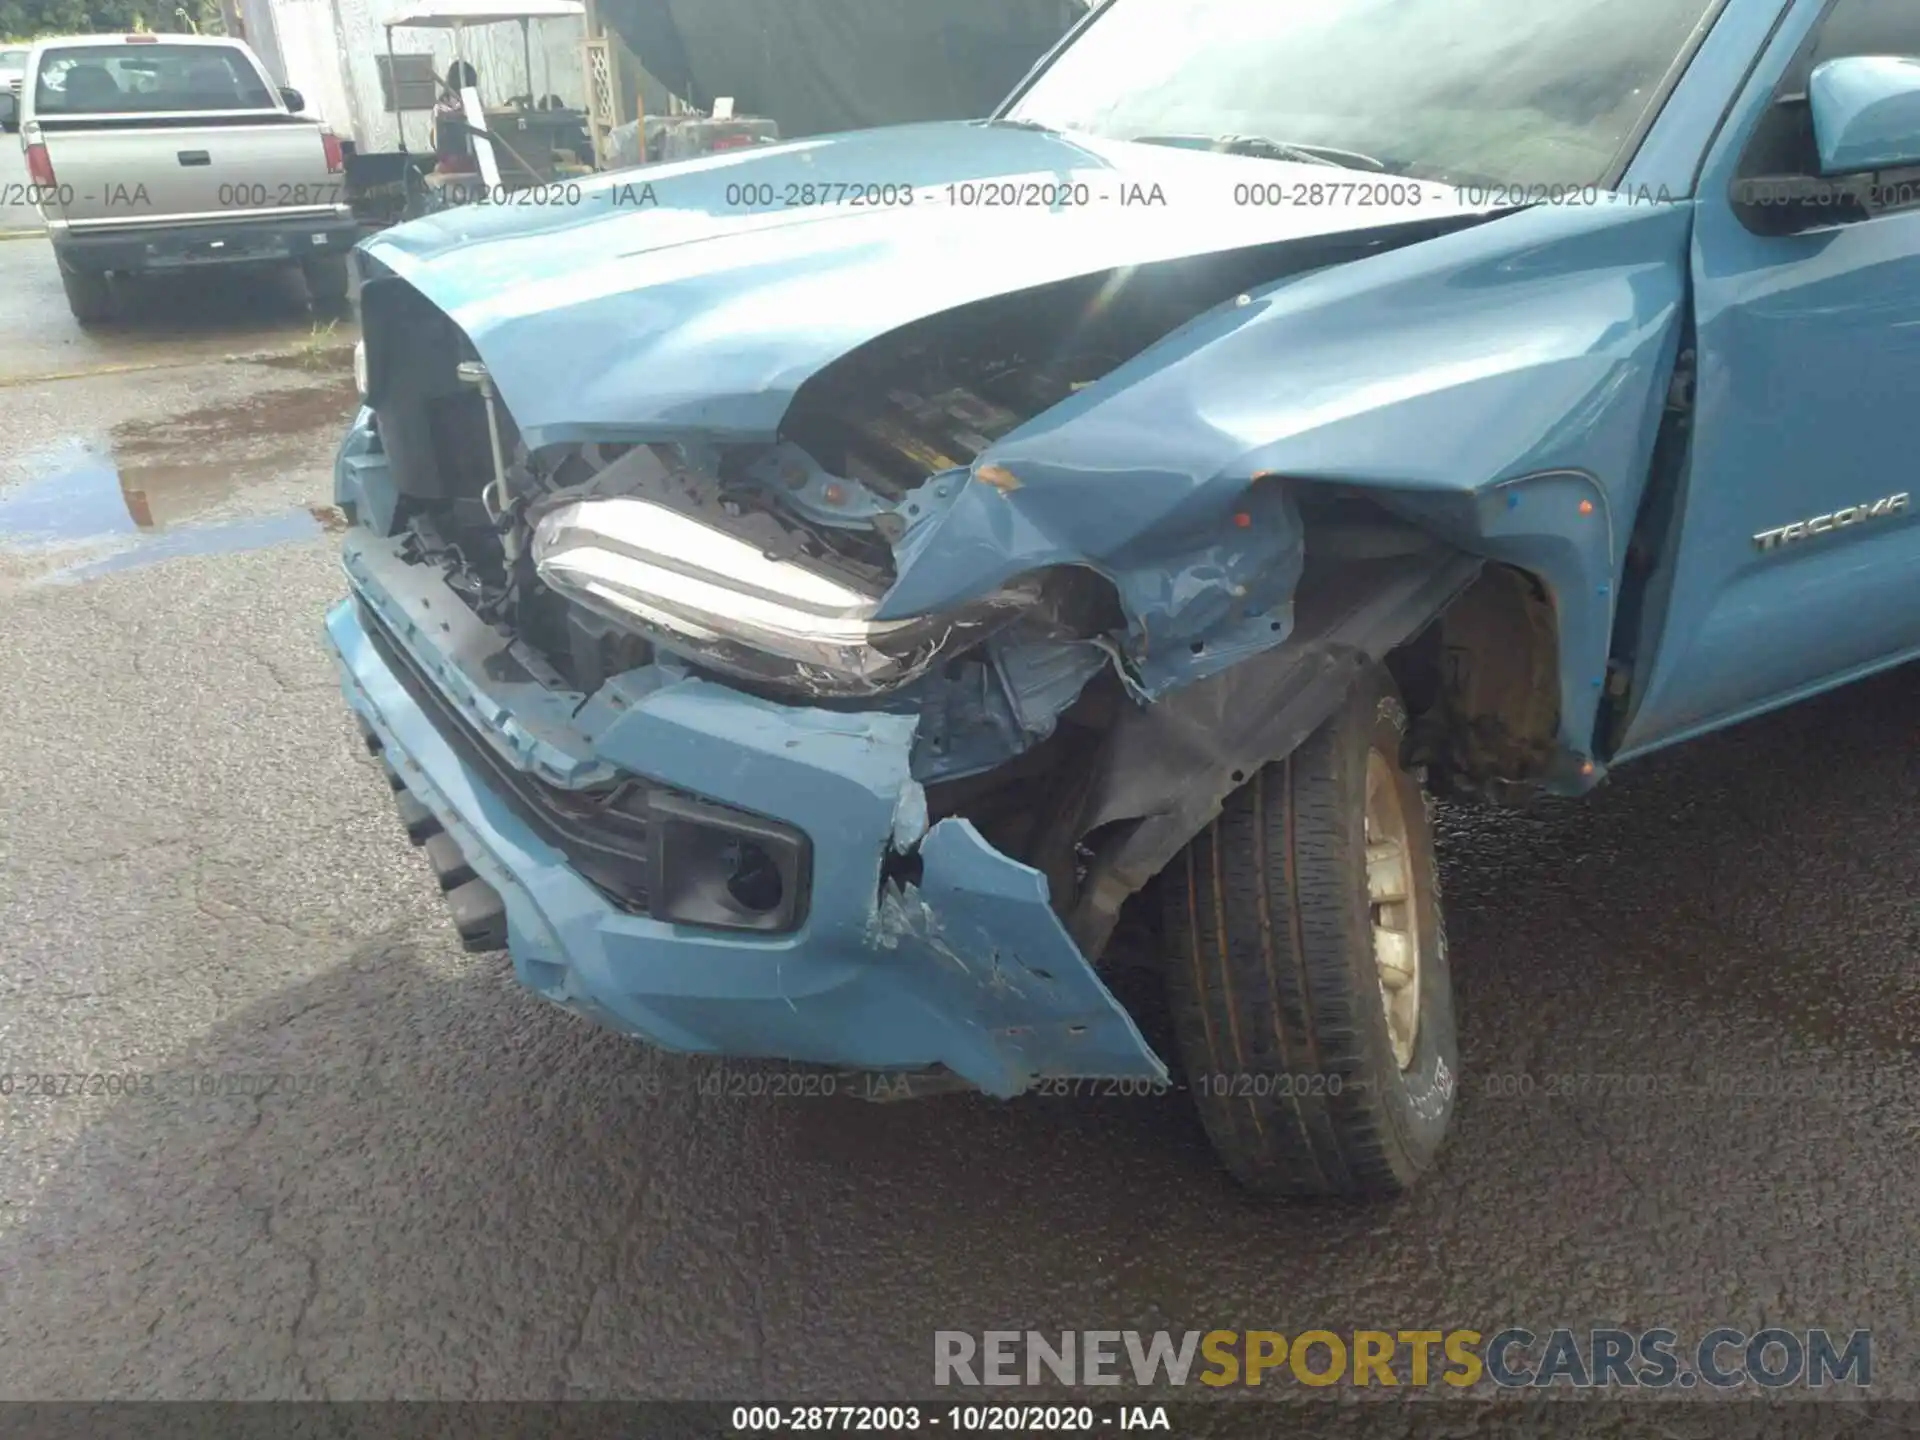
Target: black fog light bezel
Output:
[{"x": 694, "y": 848}]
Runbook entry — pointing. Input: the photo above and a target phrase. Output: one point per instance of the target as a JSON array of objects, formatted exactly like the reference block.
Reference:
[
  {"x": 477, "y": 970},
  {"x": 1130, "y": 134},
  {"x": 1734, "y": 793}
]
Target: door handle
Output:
[{"x": 195, "y": 157}]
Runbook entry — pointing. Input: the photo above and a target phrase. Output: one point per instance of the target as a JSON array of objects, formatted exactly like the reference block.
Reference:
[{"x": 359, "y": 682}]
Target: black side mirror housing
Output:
[{"x": 295, "y": 101}]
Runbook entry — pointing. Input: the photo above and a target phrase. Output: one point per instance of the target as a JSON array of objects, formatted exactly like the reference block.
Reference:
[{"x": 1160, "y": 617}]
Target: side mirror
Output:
[
  {"x": 296, "y": 102},
  {"x": 1866, "y": 113}
]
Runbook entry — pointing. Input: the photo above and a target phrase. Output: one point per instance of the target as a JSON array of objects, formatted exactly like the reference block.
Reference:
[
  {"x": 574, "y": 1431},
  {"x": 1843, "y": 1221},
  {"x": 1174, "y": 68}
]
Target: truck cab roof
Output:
[{"x": 104, "y": 42}]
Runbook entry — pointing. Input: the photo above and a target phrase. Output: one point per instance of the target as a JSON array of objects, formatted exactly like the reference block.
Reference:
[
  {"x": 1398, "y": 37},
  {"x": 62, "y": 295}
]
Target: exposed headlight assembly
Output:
[{"x": 723, "y": 603}]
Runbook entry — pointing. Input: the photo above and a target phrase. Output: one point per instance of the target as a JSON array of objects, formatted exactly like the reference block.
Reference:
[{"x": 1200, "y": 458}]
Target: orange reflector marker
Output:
[
  {"x": 999, "y": 477},
  {"x": 1586, "y": 507},
  {"x": 1243, "y": 519}
]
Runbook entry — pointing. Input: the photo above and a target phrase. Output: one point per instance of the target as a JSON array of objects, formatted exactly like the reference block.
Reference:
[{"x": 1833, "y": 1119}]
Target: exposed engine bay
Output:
[
  {"x": 861, "y": 446},
  {"x": 834, "y": 494},
  {"x": 772, "y": 518}
]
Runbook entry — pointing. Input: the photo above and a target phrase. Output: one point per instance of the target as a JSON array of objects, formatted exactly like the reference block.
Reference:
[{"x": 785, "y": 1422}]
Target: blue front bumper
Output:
[{"x": 967, "y": 968}]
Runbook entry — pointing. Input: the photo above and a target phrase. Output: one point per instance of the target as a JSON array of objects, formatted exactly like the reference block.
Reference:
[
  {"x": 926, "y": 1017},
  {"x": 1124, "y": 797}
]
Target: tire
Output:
[
  {"x": 89, "y": 295},
  {"x": 1277, "y": 1005},
  {"x": 326, "y": 277}
]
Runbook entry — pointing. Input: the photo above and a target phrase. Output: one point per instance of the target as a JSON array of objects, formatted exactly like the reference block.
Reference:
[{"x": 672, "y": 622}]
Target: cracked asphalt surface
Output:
[{"x": 453, "y": 1191}]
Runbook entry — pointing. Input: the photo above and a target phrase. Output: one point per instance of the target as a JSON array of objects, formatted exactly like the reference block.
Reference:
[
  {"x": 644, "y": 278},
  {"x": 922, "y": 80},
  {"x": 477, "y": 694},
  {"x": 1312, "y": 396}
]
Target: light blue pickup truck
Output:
[{"x": 802, "y": 597}]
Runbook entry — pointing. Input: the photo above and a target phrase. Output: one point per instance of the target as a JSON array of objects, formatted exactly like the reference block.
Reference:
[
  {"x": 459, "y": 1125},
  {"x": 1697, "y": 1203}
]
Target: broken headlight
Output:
[{"x": 726, "y": 604}]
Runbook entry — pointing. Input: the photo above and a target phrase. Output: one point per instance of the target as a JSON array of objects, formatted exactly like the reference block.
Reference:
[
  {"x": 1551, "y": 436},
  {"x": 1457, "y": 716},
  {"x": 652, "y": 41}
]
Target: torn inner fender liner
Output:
[{"x": 1162, "y": 770}]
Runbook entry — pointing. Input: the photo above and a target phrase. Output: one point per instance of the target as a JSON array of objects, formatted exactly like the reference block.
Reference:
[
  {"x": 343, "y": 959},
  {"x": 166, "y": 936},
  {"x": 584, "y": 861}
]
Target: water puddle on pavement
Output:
[{"x": 151, "y": 490}]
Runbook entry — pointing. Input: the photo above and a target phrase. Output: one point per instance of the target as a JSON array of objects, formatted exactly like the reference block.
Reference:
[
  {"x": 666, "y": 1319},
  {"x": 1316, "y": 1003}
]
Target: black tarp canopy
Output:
[{"x": 821, "y": 65}]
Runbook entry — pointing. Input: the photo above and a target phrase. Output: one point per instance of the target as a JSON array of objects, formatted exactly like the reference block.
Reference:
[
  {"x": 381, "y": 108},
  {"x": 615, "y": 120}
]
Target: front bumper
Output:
[
  {"x": 966, "y": 967},
  {"x": 183, "y": 247}
]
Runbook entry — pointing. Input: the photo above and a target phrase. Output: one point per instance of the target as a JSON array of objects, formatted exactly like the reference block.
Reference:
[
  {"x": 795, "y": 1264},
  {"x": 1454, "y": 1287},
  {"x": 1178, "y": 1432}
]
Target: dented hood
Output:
[{"x": 698, "y": 297}]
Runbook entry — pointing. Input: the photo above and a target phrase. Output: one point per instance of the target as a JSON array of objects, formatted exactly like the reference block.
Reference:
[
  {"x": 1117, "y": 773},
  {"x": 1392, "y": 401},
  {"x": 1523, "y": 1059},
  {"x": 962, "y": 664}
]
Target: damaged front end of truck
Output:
[{"x": 803, "y": 643}]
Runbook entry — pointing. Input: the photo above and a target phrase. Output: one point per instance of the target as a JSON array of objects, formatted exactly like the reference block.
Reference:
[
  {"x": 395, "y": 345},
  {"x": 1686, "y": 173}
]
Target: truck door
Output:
[{"x": 1794, "y": 562}]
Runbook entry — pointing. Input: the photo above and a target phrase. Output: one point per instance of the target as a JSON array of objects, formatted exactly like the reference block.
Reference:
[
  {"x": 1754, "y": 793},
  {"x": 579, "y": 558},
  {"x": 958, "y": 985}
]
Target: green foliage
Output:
[{"x": 25, "y": 19}]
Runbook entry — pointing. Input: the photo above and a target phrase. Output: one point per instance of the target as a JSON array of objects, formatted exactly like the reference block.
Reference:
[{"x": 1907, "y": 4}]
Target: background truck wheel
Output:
[
  {"x": 1307, "y": 974},
  {"x": 89, "y": 295},
  {"x": 326, "y": 277}
]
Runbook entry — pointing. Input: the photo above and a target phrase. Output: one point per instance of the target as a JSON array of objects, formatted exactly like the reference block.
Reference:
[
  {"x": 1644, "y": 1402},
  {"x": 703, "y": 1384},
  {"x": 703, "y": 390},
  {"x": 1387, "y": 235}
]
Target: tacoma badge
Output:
[{"x": 1838, "y": 520}]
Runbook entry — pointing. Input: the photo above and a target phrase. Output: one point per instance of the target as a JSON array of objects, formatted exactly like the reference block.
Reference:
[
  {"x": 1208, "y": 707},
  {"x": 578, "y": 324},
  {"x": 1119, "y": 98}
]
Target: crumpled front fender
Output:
[
  {"x": 1500, "y": 386},
  {"x": 984, "y": 943},
  {"x": 1205, "y": 572}
]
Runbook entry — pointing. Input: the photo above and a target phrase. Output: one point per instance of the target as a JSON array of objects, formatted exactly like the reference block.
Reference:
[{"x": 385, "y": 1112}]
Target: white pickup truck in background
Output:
[
  {"x": 13, "y": 64},
  {"x": 149, "y": 153}
]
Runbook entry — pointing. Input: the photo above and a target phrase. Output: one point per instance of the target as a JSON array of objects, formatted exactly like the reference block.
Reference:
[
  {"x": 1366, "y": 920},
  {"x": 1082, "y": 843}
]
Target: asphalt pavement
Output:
[{"x": 356, "y": 1162}]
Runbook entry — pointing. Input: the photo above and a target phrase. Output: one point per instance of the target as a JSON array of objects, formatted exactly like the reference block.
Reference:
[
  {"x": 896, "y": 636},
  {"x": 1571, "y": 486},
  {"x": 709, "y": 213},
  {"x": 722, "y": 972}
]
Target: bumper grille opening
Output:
[
  {"x": 649, "y": 848},
  {"x": 614, "y": 858}
]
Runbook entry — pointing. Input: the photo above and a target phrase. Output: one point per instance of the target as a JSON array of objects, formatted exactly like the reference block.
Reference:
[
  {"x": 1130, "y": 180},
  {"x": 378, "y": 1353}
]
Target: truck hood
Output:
[{"x": 696, "y": 298}]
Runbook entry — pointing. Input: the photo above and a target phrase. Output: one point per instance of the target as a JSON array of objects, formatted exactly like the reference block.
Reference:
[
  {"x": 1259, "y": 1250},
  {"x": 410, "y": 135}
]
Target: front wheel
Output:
[{"x": 1307, "y": 973}]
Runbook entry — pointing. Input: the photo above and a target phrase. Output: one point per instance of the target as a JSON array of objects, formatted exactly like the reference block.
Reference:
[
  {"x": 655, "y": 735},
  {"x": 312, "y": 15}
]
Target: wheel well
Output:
[
  {"x": 1119, "y": 788},
  {"x": 1482, "y": 684}
]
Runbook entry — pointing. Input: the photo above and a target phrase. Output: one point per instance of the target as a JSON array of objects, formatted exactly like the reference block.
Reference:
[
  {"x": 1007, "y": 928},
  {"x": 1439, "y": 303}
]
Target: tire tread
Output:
[{"x": 1275, "y": 994}]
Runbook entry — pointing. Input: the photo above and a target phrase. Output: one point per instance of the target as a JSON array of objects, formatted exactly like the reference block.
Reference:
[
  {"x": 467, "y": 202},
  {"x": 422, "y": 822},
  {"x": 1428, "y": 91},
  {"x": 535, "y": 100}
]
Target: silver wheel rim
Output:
[{"x": 1390, "y": 907}]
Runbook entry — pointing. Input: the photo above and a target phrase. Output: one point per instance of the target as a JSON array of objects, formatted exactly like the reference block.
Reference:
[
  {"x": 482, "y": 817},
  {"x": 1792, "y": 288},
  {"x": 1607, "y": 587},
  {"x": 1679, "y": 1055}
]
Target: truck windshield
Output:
[
  {"x": 96, "y": 80},
  {"x": 1534, "y": 92}
]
